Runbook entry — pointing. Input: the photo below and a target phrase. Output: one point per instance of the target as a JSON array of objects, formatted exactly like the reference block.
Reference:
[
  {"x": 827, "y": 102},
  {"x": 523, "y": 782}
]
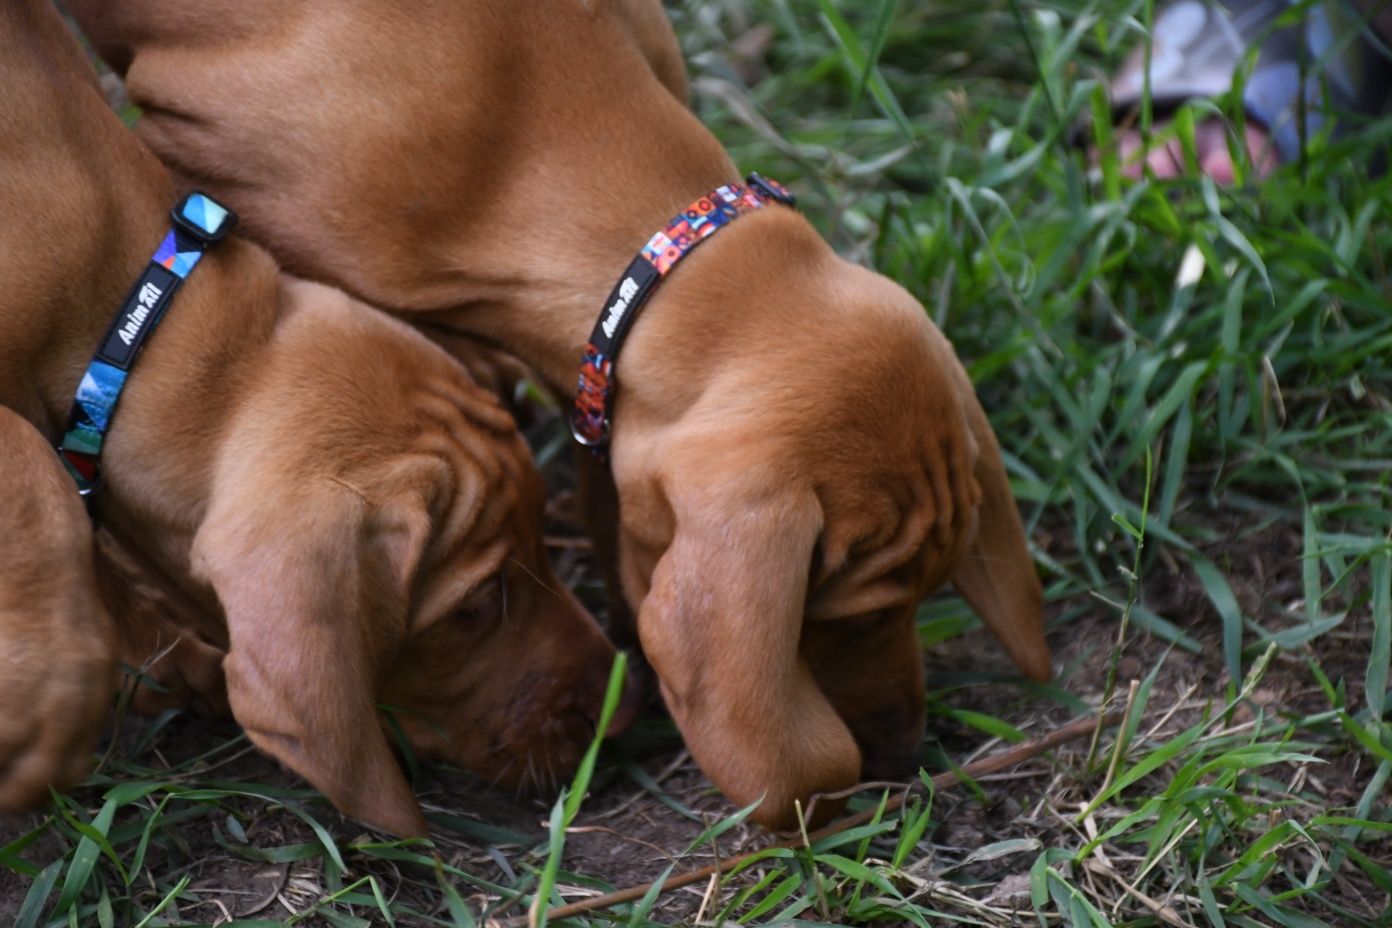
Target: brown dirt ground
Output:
[{"x": 626, "y": 835}]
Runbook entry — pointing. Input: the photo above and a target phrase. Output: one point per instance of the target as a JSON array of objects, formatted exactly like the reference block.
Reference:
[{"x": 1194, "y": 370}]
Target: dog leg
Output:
[{"x": 56, "y": 637}]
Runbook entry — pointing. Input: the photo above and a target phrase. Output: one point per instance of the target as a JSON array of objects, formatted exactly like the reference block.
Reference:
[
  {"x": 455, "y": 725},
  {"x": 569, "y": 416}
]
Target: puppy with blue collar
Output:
[{"x": 338, "y": 518}]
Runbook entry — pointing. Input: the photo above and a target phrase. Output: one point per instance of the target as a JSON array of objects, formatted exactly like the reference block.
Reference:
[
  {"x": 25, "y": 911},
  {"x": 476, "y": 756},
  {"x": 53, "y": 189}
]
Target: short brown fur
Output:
[{"x": 799, "y": 457}]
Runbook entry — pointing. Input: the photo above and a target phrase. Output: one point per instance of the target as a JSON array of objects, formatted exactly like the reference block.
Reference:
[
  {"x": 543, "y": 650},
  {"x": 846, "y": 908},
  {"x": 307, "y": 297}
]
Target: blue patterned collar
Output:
[{"x": 199, "y": 223}]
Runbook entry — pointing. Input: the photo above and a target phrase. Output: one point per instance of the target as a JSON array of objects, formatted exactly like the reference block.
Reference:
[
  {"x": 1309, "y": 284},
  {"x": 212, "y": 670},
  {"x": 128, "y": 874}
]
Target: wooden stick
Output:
[{"x": 987, "y": 765}]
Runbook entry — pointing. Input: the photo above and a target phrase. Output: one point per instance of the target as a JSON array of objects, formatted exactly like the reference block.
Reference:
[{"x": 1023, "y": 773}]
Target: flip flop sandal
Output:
[{"x": 1332, "y": 62}]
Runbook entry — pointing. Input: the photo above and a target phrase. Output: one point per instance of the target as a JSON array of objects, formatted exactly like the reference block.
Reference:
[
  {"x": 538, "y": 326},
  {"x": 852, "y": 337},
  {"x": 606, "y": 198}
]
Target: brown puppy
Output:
[
  {"x": 324, "y": 496},
  {"x": 799, "y": 457}
]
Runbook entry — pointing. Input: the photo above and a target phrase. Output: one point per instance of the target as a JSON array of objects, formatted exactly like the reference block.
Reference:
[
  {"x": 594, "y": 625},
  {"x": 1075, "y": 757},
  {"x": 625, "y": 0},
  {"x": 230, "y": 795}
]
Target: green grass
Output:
[{"x": 1203, "y": 468}]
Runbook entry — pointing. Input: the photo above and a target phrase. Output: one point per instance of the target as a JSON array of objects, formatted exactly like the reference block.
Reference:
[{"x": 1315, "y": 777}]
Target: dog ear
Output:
[
  {"x": 721, "y": 625},
  {"x": 996, "y": 573},
  {"x": 315, "y": 616}
]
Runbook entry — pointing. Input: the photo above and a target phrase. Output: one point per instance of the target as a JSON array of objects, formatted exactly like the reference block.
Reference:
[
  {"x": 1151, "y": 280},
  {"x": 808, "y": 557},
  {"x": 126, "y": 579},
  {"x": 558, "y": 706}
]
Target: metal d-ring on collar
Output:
[
  {"x": 594, "y": 397},
  {"x": 199, "y": 223}
]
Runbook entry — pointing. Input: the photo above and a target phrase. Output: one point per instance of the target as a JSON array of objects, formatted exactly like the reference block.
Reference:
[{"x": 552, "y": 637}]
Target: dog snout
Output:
[{"x": 625, "y": 712}]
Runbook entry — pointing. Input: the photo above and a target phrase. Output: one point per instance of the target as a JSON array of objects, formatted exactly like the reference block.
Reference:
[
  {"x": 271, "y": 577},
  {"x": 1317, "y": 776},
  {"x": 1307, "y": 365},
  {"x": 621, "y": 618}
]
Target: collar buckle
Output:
[
  {"x": 770, "y": 189},
  {"x": 202, "y": 218},
  {"x": 587, "y": 436}
]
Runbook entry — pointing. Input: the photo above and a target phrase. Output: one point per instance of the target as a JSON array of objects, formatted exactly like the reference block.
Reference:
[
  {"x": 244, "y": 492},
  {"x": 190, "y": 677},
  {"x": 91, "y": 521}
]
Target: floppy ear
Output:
[
  {"x": 996, "y": 573},
  {"x": 721, "y": 625},
  {"x": 314, "y": 585}
]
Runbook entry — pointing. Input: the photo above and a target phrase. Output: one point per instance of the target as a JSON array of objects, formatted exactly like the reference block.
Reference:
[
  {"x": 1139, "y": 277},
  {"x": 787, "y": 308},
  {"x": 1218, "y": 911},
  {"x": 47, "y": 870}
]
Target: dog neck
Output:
[
  {"x": 542, "y": 229},
  {"x": 529, "y": 265},
  {"x": 536, "y": 279},
  {"x": 547, "y": 313}
]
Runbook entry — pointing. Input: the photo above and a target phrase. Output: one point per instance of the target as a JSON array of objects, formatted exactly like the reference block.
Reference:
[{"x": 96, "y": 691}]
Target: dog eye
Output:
[{"x": 486, "y": 604}]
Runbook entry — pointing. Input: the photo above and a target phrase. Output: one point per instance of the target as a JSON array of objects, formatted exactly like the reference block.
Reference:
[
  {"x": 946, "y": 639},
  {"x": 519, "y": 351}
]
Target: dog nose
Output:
[{"x": 630, "y": 701}]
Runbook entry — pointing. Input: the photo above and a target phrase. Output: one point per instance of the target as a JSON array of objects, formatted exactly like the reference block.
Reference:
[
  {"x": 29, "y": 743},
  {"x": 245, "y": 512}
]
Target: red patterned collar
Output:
[{"x": 594, "y": 397}]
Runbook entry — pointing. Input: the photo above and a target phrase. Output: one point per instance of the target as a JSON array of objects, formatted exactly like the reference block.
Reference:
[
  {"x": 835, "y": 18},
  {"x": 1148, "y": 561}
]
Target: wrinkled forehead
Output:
[
  {"x": 483, "y": 511},
  {"x": 910, "y": 522}
]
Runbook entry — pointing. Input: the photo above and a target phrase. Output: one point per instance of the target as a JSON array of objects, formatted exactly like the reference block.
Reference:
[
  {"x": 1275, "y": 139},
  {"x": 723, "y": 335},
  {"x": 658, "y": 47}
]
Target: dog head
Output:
[
  {"x": 375, "y": 541},
  {"x": 783, "y": 519}
]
